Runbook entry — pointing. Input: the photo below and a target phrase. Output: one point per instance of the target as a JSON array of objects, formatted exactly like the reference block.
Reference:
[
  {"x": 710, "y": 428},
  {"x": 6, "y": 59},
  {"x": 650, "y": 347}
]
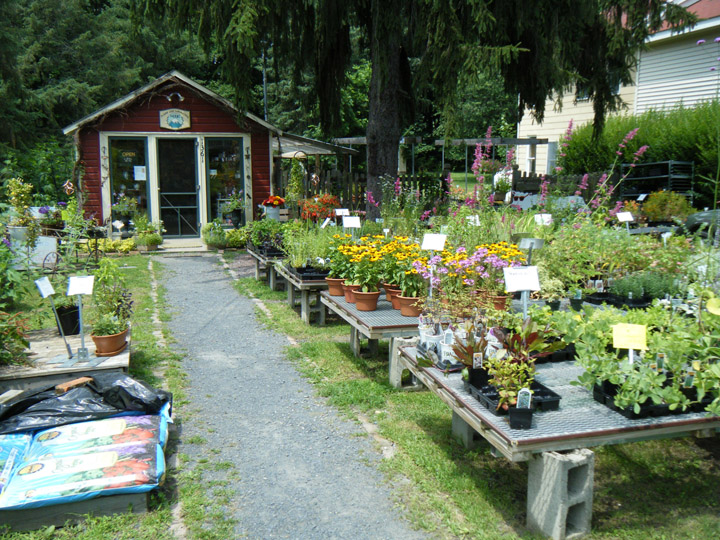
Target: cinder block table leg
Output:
[
  {"x": 320, "y": 310},
  {"x": 462, "y": 430},
  {"x": 257, "y": 270},
  {"x": 355, "y": 341},
  {"x": 560, "y": 493},
  {"x": 272, "y": 277},
  {"x": 291, "y": 295},
  {"x": 305, "y": 306},
  {"x": 396, "y": 366}
]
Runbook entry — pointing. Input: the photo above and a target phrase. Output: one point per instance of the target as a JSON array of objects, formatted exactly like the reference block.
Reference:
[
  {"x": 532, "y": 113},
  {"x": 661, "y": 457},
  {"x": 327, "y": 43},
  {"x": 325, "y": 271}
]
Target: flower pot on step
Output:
[
  {"x": 110, "y": 345},
  {"x": 69, "y": 320}
]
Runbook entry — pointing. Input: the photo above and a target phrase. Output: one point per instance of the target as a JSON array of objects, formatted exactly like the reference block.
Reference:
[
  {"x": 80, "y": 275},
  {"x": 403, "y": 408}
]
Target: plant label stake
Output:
[
  {"x": 631, "y": 337},
  {"x": 432, "y": 243},
  {"x": 46, "y": 291},
  {"x": 626, "y": 218},
  {"x": 524, "y": 399},
  {"x": 530, "y": 244},
  {"x": 78, "y": 286},
  {"x": 522, "y": 279}
]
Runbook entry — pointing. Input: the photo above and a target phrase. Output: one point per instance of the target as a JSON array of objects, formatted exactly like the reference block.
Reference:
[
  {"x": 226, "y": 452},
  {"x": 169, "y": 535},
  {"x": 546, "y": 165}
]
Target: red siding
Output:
[
  {"x": 90, "y": 159},
  {"x": 143, "y": 116},
  {"x": 260, "y": 153}
]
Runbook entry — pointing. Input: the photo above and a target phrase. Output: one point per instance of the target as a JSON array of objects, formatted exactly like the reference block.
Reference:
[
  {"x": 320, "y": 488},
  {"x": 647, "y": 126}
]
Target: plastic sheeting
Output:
[{"x": 110, "y": 394}]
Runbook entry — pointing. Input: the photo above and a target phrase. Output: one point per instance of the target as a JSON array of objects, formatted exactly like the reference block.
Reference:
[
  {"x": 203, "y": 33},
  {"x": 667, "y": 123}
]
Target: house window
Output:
[
  {"x": 128, "y": 177},
  {"x": 551, "y": 157},
  {"x": 532, "y": 156},
  {"x": 582, "y": 92},
  {"x": 225, "y": 172}
]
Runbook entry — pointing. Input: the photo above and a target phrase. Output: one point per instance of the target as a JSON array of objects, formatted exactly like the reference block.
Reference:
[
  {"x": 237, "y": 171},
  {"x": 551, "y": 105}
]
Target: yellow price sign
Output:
[{"x": 630, "y": 336}]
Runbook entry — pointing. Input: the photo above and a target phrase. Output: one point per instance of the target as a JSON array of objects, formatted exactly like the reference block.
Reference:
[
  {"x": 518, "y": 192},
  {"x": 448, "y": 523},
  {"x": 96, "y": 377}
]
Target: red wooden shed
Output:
[{"x": 178, "y": 150}]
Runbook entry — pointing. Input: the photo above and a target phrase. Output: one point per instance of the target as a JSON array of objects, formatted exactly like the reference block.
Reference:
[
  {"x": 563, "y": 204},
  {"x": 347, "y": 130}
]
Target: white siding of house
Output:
[
  {"x": 556, "y": 123},
  {"x": 677, "y": 71}
]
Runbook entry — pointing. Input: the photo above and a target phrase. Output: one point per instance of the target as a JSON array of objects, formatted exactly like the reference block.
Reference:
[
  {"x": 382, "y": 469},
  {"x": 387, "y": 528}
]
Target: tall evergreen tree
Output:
[{"x": 539, "y": 47}]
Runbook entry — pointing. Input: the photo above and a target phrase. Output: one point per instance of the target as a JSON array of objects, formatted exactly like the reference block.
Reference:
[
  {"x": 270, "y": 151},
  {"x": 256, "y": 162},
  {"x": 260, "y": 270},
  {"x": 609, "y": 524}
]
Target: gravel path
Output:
[{"x": 303, "y": 472}]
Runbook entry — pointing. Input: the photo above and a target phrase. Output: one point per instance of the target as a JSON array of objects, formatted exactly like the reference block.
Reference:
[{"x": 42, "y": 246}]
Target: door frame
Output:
[
  {"x": 152, "y": 167},
  {"x": 196, "y": 175}
]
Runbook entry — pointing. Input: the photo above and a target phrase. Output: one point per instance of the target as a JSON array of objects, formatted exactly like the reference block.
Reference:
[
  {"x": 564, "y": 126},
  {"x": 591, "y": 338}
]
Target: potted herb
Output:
[
  {"x": 552, "y": 291},
  {"x": 148, "y": 236},
  {"x": 112, "y": 310}
]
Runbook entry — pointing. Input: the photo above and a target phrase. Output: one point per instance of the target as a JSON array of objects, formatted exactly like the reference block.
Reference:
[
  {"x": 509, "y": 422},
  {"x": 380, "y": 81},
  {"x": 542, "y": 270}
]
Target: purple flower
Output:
[
  {"x": 713, "y": 69},
  {"x": 62, "y": 204},
  {"x": 717, "y": 40},
  {"x": 6, "y": 242},
  {"x": 44, "y": 209},
  {"x": 700, "y": 41}
]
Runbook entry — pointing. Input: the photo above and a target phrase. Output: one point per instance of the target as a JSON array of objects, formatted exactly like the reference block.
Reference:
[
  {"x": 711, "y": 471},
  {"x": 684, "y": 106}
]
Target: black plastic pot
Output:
[
  {"x": 520, "y": 418},
  {"x": 69, "y": 317},
  {"x": 576, "y": 303},
  {"x": 543, "y": 398},
  {"x": 478, "y": 377},
  {"x": 553, "y": 304}
]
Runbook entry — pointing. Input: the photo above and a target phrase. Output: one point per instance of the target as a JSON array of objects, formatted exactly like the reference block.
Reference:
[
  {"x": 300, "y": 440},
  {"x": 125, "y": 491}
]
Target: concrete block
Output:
[
  {"x": 396, "y": 367},
  {"x": 462, "y": 430},
  {"x": 560, "y": 493}
]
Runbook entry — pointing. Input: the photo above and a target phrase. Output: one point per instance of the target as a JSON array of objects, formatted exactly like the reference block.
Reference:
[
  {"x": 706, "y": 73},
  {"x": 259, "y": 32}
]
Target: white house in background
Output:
[{"x": 673, "y": 71}]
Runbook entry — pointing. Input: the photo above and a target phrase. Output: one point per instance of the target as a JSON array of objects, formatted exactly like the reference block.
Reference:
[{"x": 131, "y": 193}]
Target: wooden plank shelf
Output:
[{"x": 49, "y": 364}]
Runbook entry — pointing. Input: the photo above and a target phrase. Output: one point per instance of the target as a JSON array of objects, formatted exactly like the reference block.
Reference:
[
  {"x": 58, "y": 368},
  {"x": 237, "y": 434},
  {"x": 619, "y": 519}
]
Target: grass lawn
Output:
[{"x": 655, "y": 490}]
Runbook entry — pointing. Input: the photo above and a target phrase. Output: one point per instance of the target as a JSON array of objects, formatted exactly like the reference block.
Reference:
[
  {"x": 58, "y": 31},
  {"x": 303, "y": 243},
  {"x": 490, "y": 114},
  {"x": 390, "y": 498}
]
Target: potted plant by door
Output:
[
  {"x": 23, "y": 227},
  {"x": 148, "y": 236},
  {"x": 113, "y": 307}
]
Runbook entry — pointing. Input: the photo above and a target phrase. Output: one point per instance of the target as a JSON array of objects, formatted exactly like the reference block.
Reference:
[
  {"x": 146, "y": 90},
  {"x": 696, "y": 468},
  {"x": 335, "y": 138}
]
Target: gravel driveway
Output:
[{"x": 303, "y": 472}]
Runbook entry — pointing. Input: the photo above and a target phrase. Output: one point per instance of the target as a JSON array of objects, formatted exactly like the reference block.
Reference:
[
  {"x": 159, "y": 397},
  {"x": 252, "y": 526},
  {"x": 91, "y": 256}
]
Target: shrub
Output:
[
  {"x": 237, "y": 238},
  {"x": 213, "y": 234},
  {"x": 10, "y": 278},
  {"x": 13, "y": 341},
  {"x": 666, "y": 206}
]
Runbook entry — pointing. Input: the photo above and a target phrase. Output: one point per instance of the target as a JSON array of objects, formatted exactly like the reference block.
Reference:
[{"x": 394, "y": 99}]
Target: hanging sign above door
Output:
[{"x": 175, "y": 119}]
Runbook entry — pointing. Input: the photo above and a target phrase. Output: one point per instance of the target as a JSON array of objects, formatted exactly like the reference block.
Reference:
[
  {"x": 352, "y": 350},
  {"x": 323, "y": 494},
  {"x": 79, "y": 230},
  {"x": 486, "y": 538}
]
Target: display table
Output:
[
  {"x": 560, "y": 477},
  {"x": 383, "y": 323},
  {"x": 307, "y": 290},
  {"x": 265, "y": 266}
]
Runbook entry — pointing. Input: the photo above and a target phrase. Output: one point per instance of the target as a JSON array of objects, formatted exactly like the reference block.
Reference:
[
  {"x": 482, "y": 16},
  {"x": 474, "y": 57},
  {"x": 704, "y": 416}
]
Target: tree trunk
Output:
[{"x": 383, "y": 130}]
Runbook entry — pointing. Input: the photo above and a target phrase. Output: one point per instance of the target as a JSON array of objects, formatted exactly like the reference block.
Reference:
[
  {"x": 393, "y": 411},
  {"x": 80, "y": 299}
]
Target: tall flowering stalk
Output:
[{"x": 564, "y": 143}]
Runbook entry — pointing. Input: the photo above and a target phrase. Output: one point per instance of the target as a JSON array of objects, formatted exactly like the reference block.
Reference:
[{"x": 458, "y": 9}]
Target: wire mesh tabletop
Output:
[{"x": 579, "y": 422}]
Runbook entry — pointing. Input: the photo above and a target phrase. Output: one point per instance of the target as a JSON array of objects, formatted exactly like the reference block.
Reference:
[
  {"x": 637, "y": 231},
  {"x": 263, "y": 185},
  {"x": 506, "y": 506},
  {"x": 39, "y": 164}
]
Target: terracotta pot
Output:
[
  {"x": 366, "y": 301},
  {"x": 110, "y": 345},
  {"x": 393, "y": 294},
  {"x": 500, "y": 302},
  {"x": 348, "y": 291},
  {"x": 407, "y": 306},
  {"x": 388, "y": 287},
  {"x": 335, "y": 286}
]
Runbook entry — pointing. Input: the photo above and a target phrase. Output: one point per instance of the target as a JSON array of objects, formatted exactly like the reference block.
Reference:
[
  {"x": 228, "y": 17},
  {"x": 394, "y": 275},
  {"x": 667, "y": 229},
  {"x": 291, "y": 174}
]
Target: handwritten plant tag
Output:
[
  {"x": 624, "y": 217},
  {"x": 534, "y": 243},
  {"x": 474, "y": 220},
  {"x": 642, "y": 197},
  {"x": 80, "y": 285},
  {"x": 351, "y": 222},
  {"x": 630, "y": 336},
  {"x": 521, "y": 278},
  {"x": 543, "y": 219},
  {"x": 433, "y": 242},
  {"x": 45, "y": 287},
  {"x": 342, "y": 212}
]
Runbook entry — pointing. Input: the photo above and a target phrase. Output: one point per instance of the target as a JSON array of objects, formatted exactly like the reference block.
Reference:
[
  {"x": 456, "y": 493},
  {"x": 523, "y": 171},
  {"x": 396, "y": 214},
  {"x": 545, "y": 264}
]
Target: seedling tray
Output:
[{"x": 543, "y": 398}]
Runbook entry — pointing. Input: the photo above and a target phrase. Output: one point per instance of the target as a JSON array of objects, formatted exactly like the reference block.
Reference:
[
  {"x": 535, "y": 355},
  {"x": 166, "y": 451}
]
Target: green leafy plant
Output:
[
  {"x": 13, "y": 339},
  {"x": 111, "y": 299},
  {"x": 667, "y": 206},
  {"x": 213, "y": 234},
  {"x": 237, "y": 238}
]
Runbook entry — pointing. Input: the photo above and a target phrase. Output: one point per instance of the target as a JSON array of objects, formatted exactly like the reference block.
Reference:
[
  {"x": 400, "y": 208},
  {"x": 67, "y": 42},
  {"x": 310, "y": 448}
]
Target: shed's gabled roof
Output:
[{"x": 124, "y": 101}]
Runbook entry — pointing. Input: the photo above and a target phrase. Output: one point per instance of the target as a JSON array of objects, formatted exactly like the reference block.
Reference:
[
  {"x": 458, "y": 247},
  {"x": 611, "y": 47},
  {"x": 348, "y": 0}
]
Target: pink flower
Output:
[
  {"x": 371, "y": 199},
  {"x": 700, "y": 41}
]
